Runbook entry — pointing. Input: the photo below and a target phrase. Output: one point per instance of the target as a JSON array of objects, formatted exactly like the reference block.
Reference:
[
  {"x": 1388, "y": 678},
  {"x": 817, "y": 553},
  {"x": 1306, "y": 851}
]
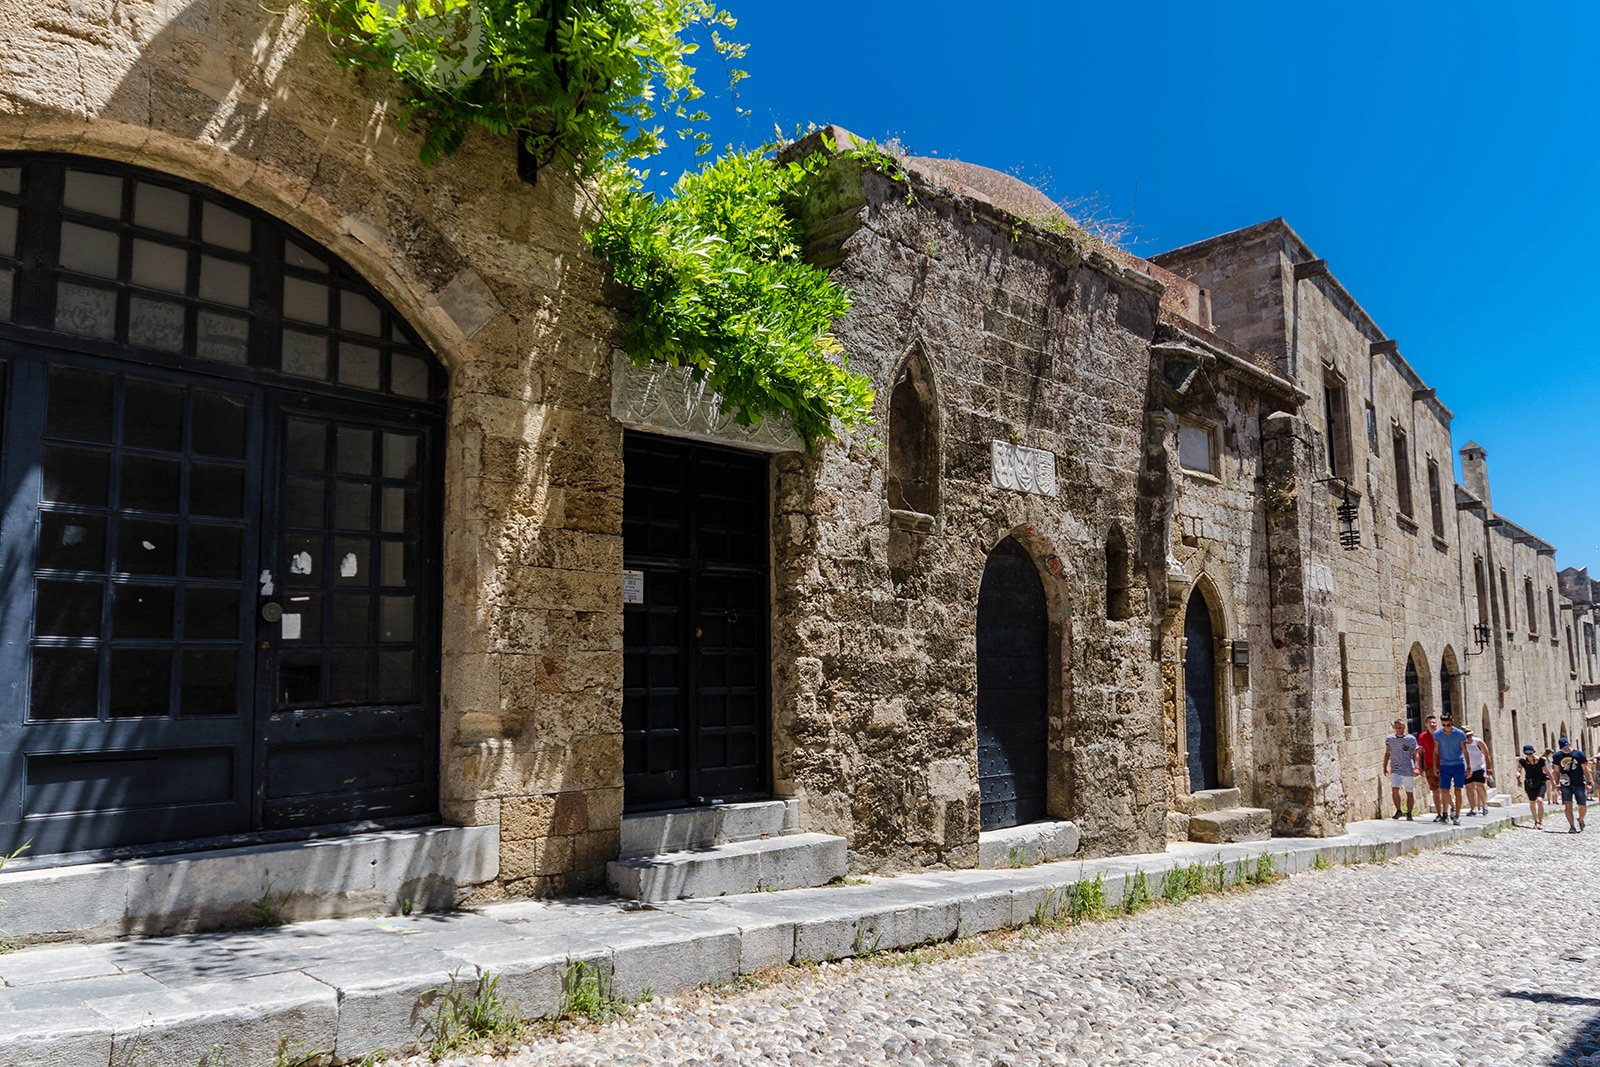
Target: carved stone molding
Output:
[
  {"x": 667, "y": 400},
  {"x": 1024, "y": 469}
]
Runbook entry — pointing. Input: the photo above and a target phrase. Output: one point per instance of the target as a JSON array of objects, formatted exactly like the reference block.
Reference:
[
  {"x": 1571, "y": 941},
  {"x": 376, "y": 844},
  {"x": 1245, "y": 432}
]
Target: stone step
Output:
[
  {"x": 680, "y": 829},
  {"x": 1233, "y": 824},
  {"x": 1500, "y": 800},
  {"x": 1213, "y": 800},
  {"x": 1023, "y": 846},
  {"x": 793, "y": 861}
]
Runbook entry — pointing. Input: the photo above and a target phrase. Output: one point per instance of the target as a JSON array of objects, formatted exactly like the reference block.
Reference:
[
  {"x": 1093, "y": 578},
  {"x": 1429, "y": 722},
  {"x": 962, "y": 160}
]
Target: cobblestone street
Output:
[{"x": 1482, "y": 953}]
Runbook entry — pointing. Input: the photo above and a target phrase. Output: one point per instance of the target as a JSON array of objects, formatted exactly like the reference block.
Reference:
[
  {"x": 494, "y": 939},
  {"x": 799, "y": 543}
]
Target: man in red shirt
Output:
[{"x": 1428, "y": 757}]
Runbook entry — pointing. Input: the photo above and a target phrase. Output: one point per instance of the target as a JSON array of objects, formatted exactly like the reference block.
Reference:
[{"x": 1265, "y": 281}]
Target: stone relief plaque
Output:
[
  {"x": 1023, "y": 469},
  {"x": 666, "y": 399}
]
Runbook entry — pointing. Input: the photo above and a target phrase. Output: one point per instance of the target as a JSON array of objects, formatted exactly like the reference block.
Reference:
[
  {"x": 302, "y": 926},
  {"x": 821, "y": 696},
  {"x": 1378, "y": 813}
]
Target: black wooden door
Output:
[
  {"x": 695, "y": 694},
  {"x": 1013, "y": 679},
  {"x": 1200, "y": 695}
]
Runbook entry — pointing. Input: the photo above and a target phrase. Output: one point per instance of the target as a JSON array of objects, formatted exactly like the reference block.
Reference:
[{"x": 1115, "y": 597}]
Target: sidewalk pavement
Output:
[{"x": 356, "y": 986}]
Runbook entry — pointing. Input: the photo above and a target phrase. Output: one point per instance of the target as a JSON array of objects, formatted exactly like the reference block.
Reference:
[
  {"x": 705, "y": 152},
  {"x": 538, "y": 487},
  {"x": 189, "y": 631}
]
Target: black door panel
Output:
[{"x": 1013, "y": 676}]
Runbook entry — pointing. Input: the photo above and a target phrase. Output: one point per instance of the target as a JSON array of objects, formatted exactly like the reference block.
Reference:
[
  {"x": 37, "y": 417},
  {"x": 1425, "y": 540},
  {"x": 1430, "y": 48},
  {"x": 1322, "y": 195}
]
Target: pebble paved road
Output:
[{"x": 1484, "y": 953}]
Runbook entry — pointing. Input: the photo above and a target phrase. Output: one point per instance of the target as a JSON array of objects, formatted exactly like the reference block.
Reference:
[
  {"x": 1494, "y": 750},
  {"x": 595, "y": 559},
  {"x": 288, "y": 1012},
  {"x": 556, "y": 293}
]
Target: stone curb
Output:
[{"x": 358, "y": 986}]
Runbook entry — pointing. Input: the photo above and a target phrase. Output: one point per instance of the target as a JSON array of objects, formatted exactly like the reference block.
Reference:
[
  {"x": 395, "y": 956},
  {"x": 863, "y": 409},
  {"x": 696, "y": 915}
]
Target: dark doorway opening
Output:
[
  {"x": 695, "y": 647},
  {"x": 1413, "y": 698},
  {"x": 1013, "y": 689},
  {"x": 1200, "y": 695}
]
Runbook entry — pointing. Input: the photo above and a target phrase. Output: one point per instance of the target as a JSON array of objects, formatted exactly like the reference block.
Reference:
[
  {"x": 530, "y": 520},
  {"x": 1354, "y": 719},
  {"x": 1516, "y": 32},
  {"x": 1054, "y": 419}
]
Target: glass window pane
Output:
[
  {"x": 145, "y": 546},
  {"x": 219, "y": 424},
  {"x": 161, "y": 208},
  {"x": 222, "y": 338},
  {"x": 352, "y": 506},
  {"x": 150, "y": 484},
  {"x": 155, "y": 324},
  {"x": 65, "y": 683},
  {"x": 89, "y": 250},
  {"x": 303, "y": 502},
  {"x": 209, "y": 682},
  {"x": 302, "y": 618},
  {"x": 219, "y": 226},
  {"x": 396, "y": 676},
  {"x": 210, "y": 614},
  {"x": 11, "y": 180},
  {"x": 399, "y": 510},
  {"x": 359, "y": 366},
  {"x": 399, "y": 455},
  {"x": 396, "y": 615},
  {"x": 72, "y": 542},
  {"x": 98, "y": 194},
  {"x": 76, "y": 475},
  {"x": 214, "y": 551},
  {"x": 86, "y": 311},
  {"x": 300, "y": 677},
  {"x": 305, "y": 354},
  {"x": 160, "y": 266},
  {"x": 357, "y": 314},
  {"x": 352, "y": 561},
  {"x": 80, "y": 404},
  {"x": 305, "y": 301},
  {"x": 153, "y": 416},
  {"x": 1194, "y": 448},
  {"x": 66, "y": 609},
  {"x": 298, "y": 256},
  {"x": 8, "y": 230},
  {"x": 6, "y": 285},
  {"x": 348, "y": 678},
  {"x": 352, "y": 620},
  {"x": 216, "y": 491},
  {"x": 141, "y": 682},
  {"x": 353, "y": 450},
  {"x": 408, "y": 376},
  {"x": 307, "y": 444},
  {"x": 224, "y": 281},
  {"x": 141, "y": 611},
  {"x": 396, "y": 564}
]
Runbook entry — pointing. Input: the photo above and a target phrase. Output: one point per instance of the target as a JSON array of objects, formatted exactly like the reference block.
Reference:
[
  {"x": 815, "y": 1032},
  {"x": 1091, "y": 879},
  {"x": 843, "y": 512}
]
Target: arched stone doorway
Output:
[
  {"x": 1200, "y": 695},
  {"x": 1013, "y": 689},
  {"x": 219, "y": 556}
]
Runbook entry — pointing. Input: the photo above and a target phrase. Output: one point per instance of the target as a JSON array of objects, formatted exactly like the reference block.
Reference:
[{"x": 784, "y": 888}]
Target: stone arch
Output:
[
  {"x": 1061, "y": 801},
  {"x": 913, "y": 466},
  {"x": 1451, "y": 696},
  {"x": 1417, "y": 688},
  {"x": 1205, "y": 606}
]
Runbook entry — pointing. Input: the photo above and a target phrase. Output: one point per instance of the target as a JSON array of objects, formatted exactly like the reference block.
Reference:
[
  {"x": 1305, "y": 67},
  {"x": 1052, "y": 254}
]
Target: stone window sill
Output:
[
  {"x": 1441, "y": 544},
  {"x": 1405, "y": 522},
  {"x": 1201, "y": 476},
  {"x": 914, "y": 521}
]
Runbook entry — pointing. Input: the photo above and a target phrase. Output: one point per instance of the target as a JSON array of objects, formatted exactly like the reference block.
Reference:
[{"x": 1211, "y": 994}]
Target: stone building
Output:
[{"x": 342, "y": 553}]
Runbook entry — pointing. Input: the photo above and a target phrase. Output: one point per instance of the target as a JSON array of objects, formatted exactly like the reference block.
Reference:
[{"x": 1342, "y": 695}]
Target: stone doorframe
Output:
[{"x": 1211, "y": 584}]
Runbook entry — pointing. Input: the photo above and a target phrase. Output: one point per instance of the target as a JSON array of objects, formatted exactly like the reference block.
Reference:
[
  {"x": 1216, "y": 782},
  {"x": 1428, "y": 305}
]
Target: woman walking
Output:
[{"x": 1534, "y": 773}]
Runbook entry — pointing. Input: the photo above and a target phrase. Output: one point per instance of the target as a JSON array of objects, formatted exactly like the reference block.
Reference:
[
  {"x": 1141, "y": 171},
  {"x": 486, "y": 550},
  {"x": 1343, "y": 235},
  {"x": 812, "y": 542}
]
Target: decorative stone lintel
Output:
[
  {"x": 1023, "y": 469},
  {"x": 665, "y": 399}
]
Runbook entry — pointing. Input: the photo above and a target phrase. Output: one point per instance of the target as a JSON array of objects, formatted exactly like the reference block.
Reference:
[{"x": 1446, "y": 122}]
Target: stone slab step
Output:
[
  {"x": 654, "y": 832},
  {"x": 793, "y": 861},
  {"x": 1023, "y": 846},
  {"x": 1233, "y": 824},
  {"x": 1213, "y": 800},
  {"x": 1500, "y": 800}
]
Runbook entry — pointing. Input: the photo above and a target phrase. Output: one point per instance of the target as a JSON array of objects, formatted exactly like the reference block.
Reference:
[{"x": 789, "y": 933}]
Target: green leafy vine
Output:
[
  {"x": 587, "y": 81},
  {"x": 720, "y": 287}
]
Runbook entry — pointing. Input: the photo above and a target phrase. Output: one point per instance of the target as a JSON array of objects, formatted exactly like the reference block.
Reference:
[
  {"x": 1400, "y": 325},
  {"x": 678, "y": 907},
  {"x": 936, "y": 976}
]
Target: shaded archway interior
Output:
[
  {"x": 1200, "y": 695},
  {"x": 219, "y": 550},
  {"x": 1013, "y": 689}
]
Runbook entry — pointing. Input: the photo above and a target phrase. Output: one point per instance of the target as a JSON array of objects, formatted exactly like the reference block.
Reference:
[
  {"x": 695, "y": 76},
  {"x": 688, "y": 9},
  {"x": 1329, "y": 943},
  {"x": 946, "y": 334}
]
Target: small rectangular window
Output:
[
  {"x": 1196, "y": 448},
  {"x": 1533, "y": 614},
  {"x": 1336, "y": 425},
  {"x": 1402, "y": 473},
  {"x": 1505, "y": 599},
  {"x": 1435, "y": 498}
]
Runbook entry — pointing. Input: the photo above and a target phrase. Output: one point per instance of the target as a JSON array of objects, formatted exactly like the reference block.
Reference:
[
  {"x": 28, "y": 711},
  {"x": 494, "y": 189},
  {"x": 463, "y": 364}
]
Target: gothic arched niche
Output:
[
  {"x": 912, "y": 479},
  {"x": 1118, "y": 575}
]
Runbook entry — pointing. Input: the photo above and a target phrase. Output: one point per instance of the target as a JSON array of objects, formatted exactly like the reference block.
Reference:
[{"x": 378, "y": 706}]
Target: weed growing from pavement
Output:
[
  {"x": 468, "y": 1012},
  {"x": 291, "y": 1053},
  {"x": 268, "y": 909},
  {"x": 1088, "y": 902},
  {"x": 1135, "y": 893},
  {"x": 1320, "y": 862}
]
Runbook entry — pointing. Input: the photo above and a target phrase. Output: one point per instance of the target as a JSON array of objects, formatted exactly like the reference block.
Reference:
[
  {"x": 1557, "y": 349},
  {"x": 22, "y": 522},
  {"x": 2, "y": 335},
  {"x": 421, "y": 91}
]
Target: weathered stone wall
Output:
[
  {"x": 875, "y": 676},
  {"x": 493, "y": 273}
]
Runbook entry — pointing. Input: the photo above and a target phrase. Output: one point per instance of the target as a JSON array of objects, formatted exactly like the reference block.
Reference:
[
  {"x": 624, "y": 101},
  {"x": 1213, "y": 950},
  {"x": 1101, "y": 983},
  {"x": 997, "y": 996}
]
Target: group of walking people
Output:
[{"x": 1454, "y": 763}]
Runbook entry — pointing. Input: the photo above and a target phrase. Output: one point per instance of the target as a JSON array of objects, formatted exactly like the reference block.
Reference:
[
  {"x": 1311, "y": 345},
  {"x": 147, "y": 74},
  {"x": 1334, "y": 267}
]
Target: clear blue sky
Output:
[{"x": 1444, "y": 159}]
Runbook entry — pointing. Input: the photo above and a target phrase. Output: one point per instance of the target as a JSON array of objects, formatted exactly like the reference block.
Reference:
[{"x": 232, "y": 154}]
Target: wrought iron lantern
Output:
[
  {"x": 1349, "y": 536},
  {"x": 1480, "y": 634}
]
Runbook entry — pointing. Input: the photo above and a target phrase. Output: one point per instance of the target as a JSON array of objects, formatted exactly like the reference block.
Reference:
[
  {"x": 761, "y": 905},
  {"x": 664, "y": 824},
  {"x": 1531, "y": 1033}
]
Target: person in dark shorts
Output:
[
  {"x": 1450, "y": 745},
  {"x": 1428, "y": 763},
  {"x": 1534, "y": 774},
  {"x": 1573, "y": 767}
]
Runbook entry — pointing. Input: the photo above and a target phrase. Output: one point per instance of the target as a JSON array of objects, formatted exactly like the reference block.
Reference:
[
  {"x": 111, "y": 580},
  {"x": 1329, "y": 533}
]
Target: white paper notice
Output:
[
  {"x": 291, "y": 628},
  {"x": 633, "y": 587},
  {"x": 348, "y": 566}
]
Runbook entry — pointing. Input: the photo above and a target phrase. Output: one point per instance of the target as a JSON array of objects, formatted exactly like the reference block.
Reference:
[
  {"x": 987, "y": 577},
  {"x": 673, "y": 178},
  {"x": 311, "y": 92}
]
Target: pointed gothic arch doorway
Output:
[
  {"x": 1013, "y": 689},
  {"x": 1200, "y": 695}
]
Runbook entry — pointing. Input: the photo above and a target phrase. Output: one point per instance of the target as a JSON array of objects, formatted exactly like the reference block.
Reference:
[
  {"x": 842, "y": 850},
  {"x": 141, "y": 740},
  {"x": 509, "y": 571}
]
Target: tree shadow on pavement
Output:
[{"x": 1583, "y": 1048}]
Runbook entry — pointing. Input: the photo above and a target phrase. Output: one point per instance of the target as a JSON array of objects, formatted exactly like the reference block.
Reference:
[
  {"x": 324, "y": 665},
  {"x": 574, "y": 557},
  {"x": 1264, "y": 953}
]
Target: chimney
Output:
[{"x": 1475, "y": 473}]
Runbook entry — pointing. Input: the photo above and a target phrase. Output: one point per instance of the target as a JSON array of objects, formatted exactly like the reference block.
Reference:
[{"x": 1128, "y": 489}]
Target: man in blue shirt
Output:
[
  {"x": 1573, "y": 767},
  {"x": 1452, "y": 748}
]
